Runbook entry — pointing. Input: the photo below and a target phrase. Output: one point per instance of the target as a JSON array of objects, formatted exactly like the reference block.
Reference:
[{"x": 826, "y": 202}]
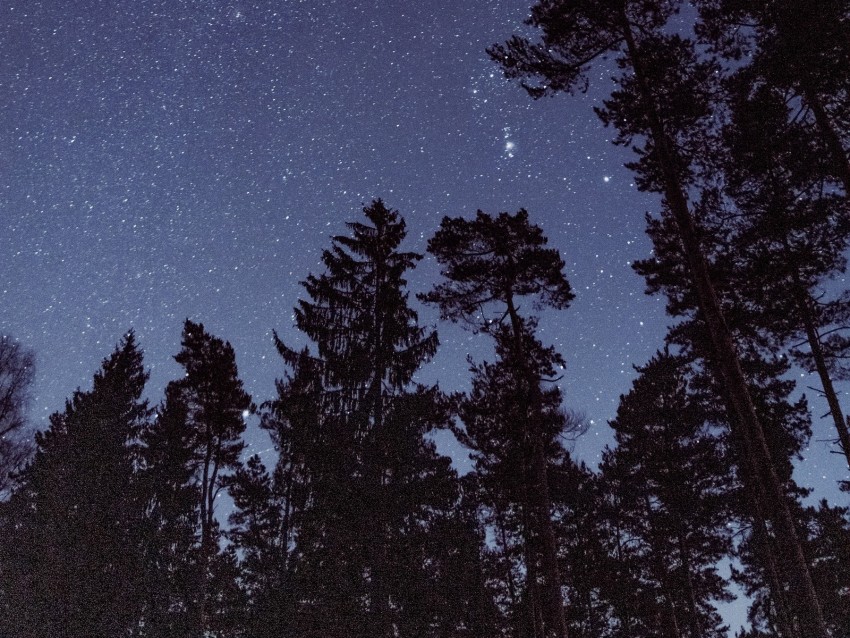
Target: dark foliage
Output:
[
  {"x": 17, "y": 373},
  {"x": 491, "y": 264},
  {"x": 71, "y": 554}
]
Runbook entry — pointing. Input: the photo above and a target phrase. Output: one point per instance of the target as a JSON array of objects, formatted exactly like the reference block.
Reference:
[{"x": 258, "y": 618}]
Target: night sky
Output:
[{"x": 165, "y": 159}]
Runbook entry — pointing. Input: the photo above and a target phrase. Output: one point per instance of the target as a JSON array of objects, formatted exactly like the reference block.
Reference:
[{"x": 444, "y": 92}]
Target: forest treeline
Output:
[{"x": 359, "y": 528}]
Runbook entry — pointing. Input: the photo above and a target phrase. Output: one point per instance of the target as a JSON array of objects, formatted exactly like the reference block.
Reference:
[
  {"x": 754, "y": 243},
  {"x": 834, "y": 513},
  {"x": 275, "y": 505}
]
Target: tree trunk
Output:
[
  {"x": 532, "y": 588},
  {"x": 552, "y": 600},
  {"x": 766, "y": 553},
  {"x": 830, "y": 137},
  {"x": 767, "y": 485},
  {"x": 803, "y": 303},
  {"x": 383, "y": 625},
  {"x": 694, "y": 620},
  {"x": 672, "y": 627},
  {"x": 204, "y": 558}
]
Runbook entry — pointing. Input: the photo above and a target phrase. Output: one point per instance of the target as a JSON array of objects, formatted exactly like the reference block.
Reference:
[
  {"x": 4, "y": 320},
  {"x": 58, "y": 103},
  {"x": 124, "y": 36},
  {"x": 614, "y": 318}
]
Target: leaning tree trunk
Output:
[
  {"x": 767, "y": 484},
  {"x": 762, "y": 543},
  {"x": 830, "y": 136},
  {"x": 812, "y": 336}
]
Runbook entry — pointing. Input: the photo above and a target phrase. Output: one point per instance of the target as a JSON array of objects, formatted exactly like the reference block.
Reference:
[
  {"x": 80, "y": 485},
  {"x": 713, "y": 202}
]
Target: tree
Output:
[
  {"x": 366, "y": 493},
  {"x": 798, "y": 52},
  {"x": 790, "y": 235},
  {"x": 17, "y": 373},
  {"x": 594, "y": 571},
  {"x": 498, "y": 261},
  {"x": 829, "y": 550},
  {"x": 259, "y": 530},
  {"x": 495, "y": 414},
  {"x": 71, "y": 557},
  {"x": 209, "y": 406},
  {"x": 827, "y": 543},
  {"x": 670, "y": 477},
  {"x": 664, "y": 97},
  {"x": 166, "y": 478}
]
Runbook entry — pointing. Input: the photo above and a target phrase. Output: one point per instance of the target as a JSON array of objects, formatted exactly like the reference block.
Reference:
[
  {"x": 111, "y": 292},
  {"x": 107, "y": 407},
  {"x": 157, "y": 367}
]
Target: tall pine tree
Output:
[
  {"x": 212, "y": 398},
  {"x": 664, "y": 102},
  {"x": 495, "y": 262}
]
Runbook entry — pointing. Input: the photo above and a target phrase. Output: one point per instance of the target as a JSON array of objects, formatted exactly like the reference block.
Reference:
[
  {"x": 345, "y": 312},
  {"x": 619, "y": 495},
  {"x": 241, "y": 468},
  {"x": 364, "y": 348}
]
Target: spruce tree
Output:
[
  {"x": 166, "y": 477},
  {"x": 665, "y": 98},
  {"x": 271, "y": 508},
  {"x": 594, "y": 575},
  {"x": 259, "y": 531},
  {"x": 71, "y": 554},
  {"x": 351, "y": 431}
]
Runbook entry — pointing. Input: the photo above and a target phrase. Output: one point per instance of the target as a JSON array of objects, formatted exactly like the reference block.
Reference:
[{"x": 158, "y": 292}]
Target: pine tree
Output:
[
  {"x": 493, "y": 430},
  {"x": 791, "y": 234},
  {"x": 665, "y": 97},
  {"x": 211, "y": 402},
  {"x": 71, "y": 555},
  {"x": 798, "y": 51},
  {"x": 829, "y": 552},
  {"x": 497, "y": 261},
  {"x": 827, "y": 543},
  {"x": 669, "y": 475}
]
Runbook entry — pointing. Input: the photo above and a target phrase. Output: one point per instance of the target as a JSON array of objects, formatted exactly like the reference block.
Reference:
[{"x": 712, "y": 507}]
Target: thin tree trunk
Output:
[
  {"x": 803, "y": 303},
  {"x": 830, "y": 137},
  {"x": 206, "y": 516},
  {"x": 766, "y": 552},
  {"x": 553, "y": 602},
  {"x": 383, "y": 622},
  {"x": 767, "y": 483},
  {"x": 672, "y": 629},
  {"x": 535, "y": 613},
  {"x": 622, "y": 561}
]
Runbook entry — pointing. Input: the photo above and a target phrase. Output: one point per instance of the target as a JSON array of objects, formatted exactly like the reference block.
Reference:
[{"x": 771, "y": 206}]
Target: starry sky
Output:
[{"x": 165, "y": 159}]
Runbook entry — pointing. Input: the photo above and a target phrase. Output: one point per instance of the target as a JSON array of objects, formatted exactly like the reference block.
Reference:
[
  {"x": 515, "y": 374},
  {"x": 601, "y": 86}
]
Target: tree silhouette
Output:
[
  {"x": 166, "y": 478},
  {"x": 800, "y": 52},
  {"x": 790, "y": 237},
  {"x": 370, "y": 493},
  {"x": 664, "y": 98},
  {"x": 71, "y": 557},
  {"x": 670, "y": 477},
  {"x": 498, "y": 261},
  {"x": 211, "y": 399},
  {"x": 17, "y": 373}
]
